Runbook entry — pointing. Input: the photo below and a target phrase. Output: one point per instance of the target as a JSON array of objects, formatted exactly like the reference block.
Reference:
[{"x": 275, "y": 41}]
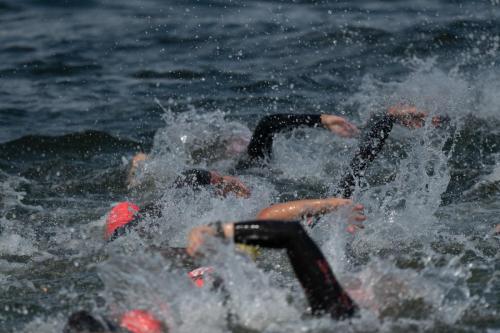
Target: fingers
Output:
[
  {"x": 235, "y": 186},
  {"x": 135, "y": 163},
  {"x": 351, "y": 128},
  {"x": 344, "y": 129},
  {"x": 357, "y": 216},
  {"x": 339, "y": 126},
  {"x": 241, "y": 190},
  {"x": 357, "y": 219},
  {"x": 358, "y": 207},
  {"x": 352, "y": 229},
  {"x": 409, "y": 116}
]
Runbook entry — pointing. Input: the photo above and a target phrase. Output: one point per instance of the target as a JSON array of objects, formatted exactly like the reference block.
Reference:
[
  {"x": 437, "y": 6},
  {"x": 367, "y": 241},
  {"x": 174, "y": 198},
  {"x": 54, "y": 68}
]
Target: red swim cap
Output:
[
  {"x": 140, "y": 321},
  {"x": 198, "y": 274},
  {"x": 120, "y": 215}
]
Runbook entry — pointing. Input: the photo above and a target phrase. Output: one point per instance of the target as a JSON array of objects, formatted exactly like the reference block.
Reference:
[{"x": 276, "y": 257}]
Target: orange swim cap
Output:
[
  {"x": 120, "y": 215},
  {"x": 140, "y": 321}
]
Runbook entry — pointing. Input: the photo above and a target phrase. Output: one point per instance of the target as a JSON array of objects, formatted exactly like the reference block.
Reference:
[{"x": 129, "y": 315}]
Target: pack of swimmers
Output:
[{"x": 277, "y": 226}]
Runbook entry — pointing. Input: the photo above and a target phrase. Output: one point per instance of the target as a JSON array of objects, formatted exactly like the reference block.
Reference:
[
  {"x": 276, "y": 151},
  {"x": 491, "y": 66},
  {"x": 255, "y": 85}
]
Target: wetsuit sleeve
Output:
[
  {"x": 83, "y": 321},
  {"x": 324, "y": 293},
  {"x": 373, "y": 140},
  {"x": 261, "y": 143},
  {"x": 194, "y": 178}
]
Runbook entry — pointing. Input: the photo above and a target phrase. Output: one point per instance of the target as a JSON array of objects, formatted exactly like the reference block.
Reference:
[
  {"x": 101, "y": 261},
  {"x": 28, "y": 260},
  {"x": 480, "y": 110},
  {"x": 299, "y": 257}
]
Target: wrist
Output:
[
  {"x": 323, "y": 119},
  {"x": 228, "y": 230},
  {"x": 215, "y": 178},
  {"x": 218, "y": 230},
  {"x": 222, "y": 230}
]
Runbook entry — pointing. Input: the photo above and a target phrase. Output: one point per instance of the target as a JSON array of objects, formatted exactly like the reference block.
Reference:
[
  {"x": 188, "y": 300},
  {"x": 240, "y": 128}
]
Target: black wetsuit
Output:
[
  {"x": 322, "y": 290},
  {"x": 84, "y": 322},
  {"x": 261, "y": 143},
  {"x": 259, "y": 148},
  {"x": 194, "y": 178},
  {"x": 372, "y": 141}
]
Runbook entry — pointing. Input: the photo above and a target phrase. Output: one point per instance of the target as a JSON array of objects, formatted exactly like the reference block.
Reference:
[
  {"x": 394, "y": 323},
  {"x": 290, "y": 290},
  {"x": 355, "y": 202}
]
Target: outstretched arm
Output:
[
  {"x": 294, "y": 210},
  {"x": 372, "y": 141},
  {"x": 324, "y": 293},
  {"x": 196, "y": 178},
  {"x": 262, "y": 139}
]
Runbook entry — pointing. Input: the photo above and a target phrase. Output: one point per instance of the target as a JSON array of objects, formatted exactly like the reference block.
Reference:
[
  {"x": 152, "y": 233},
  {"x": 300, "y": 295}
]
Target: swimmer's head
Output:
[
  {"x": 236, "y": 145},
  {"x": 220, "y": 148},
  {"x": 140, "y": 321},
  {"x": 120, "y": 216}
]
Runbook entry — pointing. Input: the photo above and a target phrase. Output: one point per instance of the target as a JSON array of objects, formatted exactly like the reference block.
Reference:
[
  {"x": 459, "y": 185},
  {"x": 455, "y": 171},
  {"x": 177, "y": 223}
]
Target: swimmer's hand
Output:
[
  {"x": 497, "y": 230},
  {"x": 198, "y": 235},
  {"x": 135, "y": 163},
  {"x": 356, "y": 218},
  {"x": 339, "y": 126},
  {"x": 229, "y": 184},
  {"x": 411, "y": 117}
]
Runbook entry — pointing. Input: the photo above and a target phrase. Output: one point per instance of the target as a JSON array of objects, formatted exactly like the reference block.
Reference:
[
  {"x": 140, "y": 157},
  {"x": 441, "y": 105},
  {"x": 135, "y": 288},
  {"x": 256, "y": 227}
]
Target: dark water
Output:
[{"x": 86, "y": 84}]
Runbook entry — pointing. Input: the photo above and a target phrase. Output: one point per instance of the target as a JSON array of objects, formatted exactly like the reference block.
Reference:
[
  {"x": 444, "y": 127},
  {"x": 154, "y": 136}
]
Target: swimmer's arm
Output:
[
  {"x": 323, "y": 292},
  {"x": 262, "y": 139},
  {"x": 374, "y": 137},
  {"x": 295, "y": 210},
  {"x": 193, "y": 178},
  {"x": 196, "y": 178},
  {"x": 371, "y": 143},
  {"x": 411, "y": 117}
]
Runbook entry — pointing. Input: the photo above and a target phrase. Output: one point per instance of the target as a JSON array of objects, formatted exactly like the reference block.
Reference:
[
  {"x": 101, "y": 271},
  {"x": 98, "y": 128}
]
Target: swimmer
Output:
[
  {"x": 126, "y": 216},
  {"x": 261, "y": 142},
  {"x": 133, "y": 321},
  {"x": 323, "y": 292},
  {"x": 196, "y": 178},
  {"x": 372, "y": 141},
  {"x": 223, "y": 185}
]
